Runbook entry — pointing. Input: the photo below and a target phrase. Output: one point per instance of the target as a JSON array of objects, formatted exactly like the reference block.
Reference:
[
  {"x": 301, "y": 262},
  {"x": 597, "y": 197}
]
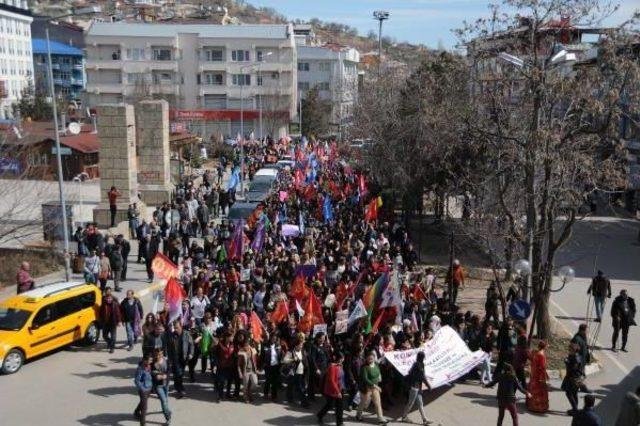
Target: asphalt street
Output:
[{"x": 89, "y": 386}]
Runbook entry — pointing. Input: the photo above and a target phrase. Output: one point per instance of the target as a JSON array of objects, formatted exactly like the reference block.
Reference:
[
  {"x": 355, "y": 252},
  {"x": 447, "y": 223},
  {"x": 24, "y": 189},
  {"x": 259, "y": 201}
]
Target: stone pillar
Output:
[
  {"x": 154, "y": 172},
  {"x": 117, "y": 135}
]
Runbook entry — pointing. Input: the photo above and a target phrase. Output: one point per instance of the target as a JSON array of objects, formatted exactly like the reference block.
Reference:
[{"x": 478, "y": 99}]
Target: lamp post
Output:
[
  {"x": 380, "y": 16},
  {"x": 54, "y": 107}
]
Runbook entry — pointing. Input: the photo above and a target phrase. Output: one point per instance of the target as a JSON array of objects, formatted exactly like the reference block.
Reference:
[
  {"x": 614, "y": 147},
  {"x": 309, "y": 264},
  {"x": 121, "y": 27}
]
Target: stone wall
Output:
[{"x": 154, "y": 173}]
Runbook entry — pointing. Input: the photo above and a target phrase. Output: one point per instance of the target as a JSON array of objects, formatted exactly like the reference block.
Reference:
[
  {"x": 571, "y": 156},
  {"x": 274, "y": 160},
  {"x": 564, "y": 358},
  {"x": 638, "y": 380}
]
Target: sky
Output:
[{"x": 428, "y": 22}]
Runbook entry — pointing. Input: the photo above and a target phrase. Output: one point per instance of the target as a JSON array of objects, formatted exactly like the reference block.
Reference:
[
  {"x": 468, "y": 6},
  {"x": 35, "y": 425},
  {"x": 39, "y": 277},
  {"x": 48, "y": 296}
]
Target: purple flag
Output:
[
  {"x": 258, "y": 238},
  {"x": 236, "y": 245}
]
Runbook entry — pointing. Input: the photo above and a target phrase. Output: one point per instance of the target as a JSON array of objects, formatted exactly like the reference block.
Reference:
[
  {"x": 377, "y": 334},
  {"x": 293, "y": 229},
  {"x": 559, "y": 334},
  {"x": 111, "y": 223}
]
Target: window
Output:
[
  {"x": 259, "y": 80},
  {"x": 303, "y": 85},
  {"x": 45, "y": 316},
  {"x": 214, "y": 79},
  {"x": 87, "y": 300},
  {"x": 324, "y": 66},
  {"x": 68, "y": 306},
  {"x": 135, "y": 77},
  {"x": 261, "y": 55},
  {"x": 323, "y": 85},
  {"x": 162, "y": 77},
  {"x": 215, "y": 101},
  {"x": 240, "y": 55},
  {"x": 161, "y": 54},
  {"x": 241, "y": 80},
  {"x": 213, "y": 55},
  {"x": 135, "y": 54},
  {"x": 303, "y": 66}
]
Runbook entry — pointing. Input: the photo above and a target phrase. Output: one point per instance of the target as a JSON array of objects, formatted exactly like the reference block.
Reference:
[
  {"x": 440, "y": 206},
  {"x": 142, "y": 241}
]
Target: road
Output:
[{"x": 89, "y": 386}]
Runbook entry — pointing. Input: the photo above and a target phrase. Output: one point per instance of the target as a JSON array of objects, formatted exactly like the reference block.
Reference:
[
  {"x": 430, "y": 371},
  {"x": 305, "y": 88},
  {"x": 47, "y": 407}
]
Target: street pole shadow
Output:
[{"x": 612, "y": 396}]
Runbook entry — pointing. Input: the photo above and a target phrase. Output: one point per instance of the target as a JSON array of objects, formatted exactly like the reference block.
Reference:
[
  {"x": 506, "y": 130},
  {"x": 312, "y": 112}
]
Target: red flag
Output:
[
  {"x": 341, "y": 295},
  {"x": 174, "y": 294},
  {"x": 376, "y": 324},
  {"x": 163, "y": 267},
  {"x": 256, "y": 327},
  {"x": 299, "y": 288},
  {"x": 312, "y": 314},
  {"x": 418, "y": 294},
  {"x": 363, "y": 185},
  {"x": 281, "y": 313},
  {"x": 372, "y": 210}
]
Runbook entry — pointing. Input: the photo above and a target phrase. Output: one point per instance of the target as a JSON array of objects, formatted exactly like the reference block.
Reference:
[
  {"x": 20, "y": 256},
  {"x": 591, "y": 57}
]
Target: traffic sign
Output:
[
  {"x": 63, "y": 150},
  {"x": 520, "y": 310}
]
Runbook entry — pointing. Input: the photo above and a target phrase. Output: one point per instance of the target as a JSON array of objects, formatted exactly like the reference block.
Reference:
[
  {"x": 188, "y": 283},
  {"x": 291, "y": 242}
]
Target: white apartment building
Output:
[
  {"x": 333, "y": 70},
  {"x": 209, "y": 74},
  {"x": 16, "y": 62}
]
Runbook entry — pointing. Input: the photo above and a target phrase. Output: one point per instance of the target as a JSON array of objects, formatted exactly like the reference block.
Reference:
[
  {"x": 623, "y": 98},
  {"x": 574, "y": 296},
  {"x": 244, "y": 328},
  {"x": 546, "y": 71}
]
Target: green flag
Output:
[
  {"x": 222, "y": 254},
  {"x": 205, "y": 342}
]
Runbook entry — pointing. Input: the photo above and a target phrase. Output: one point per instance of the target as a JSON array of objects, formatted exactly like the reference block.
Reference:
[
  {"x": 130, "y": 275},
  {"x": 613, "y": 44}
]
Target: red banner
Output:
[{"x": 163, "y": 267}]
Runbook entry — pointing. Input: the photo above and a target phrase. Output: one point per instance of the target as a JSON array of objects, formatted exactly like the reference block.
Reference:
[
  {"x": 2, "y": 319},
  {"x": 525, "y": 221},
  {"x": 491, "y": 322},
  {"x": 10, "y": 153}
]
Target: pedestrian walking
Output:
[
  {"x": 144, "y": 385},
  {"x": 623, "y": 312},
  {"x": 133, "y": 213},
  {"x": 180, "y": 351},
  {"x": 580, "y": 339},
  {"x": 24, "y": 282},
  {"x": 600, "y": 289},
  {"x": 574, "y": 377},
  {"x": 587, "y": 416},
  {"x": 160, "y": 375},
  {"x": 125, "y": 249},
  {"x": 487, "y": 343},
  {"x": 456, "y": 278},
  {"x": 415, "y": 379},
  {"x": 132, "y": 314},
  {"x": 117, "y": 263},
  {"x": 271, "y": 362},
  {"x": 296, "y": 366},
  {"x": 538, "y": 388},
  {"x": 110, "y": 318},
  {"x": 318, "y": 363},
  {"x": 113, "y": 195},
  {"x": 508, "y": 384},
  {"x": 105, "y": 271},
  {"x": 333, "y": 387},
  {"x": 630, "y": 409},
  {"x": 370, "y": 378},
  {"x": 91, "y": 268},
  {"x": 224, "y": 366},
  {"x": 248, "y": 369}
]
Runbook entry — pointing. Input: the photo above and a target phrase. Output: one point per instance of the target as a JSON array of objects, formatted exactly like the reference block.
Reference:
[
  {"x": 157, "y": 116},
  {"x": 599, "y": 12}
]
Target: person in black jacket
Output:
[
  {"x": 318, "y": 363},
  {"x": 574, "y": 378},
  {"x": 116, "y": 261},
  {"x": 132, "y": 315},
  {"x": 179, "y": 350},
  {"x": 623, "y": 312},
  {"x": 125, "y": 249},
  {"x": 600, "y": 288},
  {"x": 415, "y": 379},
  {"x": 508, "y": 384},
  {"x": 580, "y": 339},
  {"x": 151, "y": 247},
  {"x": 271, "y": 357}
]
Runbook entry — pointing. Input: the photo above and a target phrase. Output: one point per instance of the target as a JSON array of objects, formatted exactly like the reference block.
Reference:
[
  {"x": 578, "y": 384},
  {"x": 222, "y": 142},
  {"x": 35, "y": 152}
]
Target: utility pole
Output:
[
  {"x": 450, "y": 273},
  {"x": 380, "y": 16}
]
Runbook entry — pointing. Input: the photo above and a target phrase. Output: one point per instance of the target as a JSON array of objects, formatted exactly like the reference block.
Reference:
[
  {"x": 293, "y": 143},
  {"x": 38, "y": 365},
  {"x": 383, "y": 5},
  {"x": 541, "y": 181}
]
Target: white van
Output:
[{"x": 273, "y": 173}]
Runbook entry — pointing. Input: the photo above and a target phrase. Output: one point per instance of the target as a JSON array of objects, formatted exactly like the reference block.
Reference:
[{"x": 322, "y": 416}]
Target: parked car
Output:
[
  {"x": 241, "y": 211},
  {"x": 46, "y": 318}
]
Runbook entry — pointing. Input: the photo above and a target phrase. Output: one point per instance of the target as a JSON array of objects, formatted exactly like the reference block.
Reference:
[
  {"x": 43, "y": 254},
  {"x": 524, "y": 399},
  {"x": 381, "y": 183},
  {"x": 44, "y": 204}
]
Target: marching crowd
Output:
[{"x": 277, "y": 299}]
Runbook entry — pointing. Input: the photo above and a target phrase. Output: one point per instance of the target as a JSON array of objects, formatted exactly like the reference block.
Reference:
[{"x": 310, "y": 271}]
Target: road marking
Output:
[{"x": 618, "y": 364}]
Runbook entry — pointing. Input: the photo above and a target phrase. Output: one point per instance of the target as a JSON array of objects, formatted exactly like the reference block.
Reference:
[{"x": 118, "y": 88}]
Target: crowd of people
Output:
[{"x": 256, "y": 290}]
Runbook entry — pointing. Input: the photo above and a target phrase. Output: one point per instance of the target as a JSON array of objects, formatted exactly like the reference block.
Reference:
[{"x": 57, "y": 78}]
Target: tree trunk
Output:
[{"x": 544, "y": 318}]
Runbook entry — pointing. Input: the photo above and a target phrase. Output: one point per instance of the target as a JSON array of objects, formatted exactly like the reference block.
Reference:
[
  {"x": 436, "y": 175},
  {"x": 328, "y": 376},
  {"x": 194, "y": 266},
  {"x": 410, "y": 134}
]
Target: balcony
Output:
[
  {"x": 165, "y": 89},
  {"x": 213, "y": 66},
  {"x": 96, "y": 64},
  {"x": 212, "y": 89},
  {"x": 77, "y": 81},
  {"x": 55, "y": 66},
  {"x": 104, "y": 88},
  {"x": 78, "y": 67},
  {"x": 162, "y": 65}
]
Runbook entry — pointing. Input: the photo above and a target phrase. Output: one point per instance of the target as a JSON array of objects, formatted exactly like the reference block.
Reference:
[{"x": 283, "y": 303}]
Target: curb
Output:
[{"x": 589, "y": 370}]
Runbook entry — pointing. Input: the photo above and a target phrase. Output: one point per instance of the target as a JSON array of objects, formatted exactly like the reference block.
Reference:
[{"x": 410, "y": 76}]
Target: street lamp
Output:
[
  {"x": 52, "y": 90},
  {"x": 380, "y": 15},
  {"x": 242, "y": 82}
]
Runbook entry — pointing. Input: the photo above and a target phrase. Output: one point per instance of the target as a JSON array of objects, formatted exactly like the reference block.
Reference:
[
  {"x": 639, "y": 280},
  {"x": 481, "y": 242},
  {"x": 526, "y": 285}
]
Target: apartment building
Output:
[
  {"x": 211, "y": 75},
  {"x": 16, "y": 64},
  {"x": 332, "y": 69},
  {"x": 68, "y": 69}
]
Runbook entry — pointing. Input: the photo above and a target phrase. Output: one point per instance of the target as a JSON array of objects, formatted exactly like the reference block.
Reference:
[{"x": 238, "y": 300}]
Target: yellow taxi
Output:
[{"x": 46, "y": 318}]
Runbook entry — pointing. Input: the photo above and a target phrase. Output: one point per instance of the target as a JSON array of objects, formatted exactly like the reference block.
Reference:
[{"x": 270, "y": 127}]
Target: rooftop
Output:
[
  {"x": 39, "y": 46},
  {"x": 38, "y": 131},
  {"x": 119, "y": 29}
]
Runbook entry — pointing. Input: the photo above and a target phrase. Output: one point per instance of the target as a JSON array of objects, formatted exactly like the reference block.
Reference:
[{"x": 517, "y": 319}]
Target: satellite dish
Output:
[{"x": 74, "y": 128}]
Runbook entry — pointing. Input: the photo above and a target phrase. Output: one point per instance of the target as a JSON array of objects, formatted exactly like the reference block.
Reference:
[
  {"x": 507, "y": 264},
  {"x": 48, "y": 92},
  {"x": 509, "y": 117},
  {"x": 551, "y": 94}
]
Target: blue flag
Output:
[
  {"x": 234, "y": 179},
  {"x": 327, "y": 210}
]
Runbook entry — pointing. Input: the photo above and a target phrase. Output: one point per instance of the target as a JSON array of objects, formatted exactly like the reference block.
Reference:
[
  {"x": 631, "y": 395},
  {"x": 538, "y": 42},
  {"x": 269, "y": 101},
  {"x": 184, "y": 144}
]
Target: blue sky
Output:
[{"x": 416, "y": 21}]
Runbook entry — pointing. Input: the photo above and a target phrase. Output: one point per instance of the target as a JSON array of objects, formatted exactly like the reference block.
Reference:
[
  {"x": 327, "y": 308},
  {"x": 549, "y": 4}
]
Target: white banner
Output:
[{"x": 447, "y": 358}]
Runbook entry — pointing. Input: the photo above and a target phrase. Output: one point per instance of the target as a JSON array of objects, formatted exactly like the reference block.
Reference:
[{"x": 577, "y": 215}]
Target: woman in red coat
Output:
[
  {"x": 332, "y": 390},
  {"x": 539, "y": 400}
]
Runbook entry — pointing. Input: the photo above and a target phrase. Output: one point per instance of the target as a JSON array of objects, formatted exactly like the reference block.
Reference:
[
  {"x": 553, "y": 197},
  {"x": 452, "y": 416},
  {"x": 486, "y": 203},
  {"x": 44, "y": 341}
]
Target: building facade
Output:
[
  {"x": 217, "y": 79},
  {"x": 68, "y": 69},
  {"x": 332, "y": 69},
  {"x": 16, "y": 64}
]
